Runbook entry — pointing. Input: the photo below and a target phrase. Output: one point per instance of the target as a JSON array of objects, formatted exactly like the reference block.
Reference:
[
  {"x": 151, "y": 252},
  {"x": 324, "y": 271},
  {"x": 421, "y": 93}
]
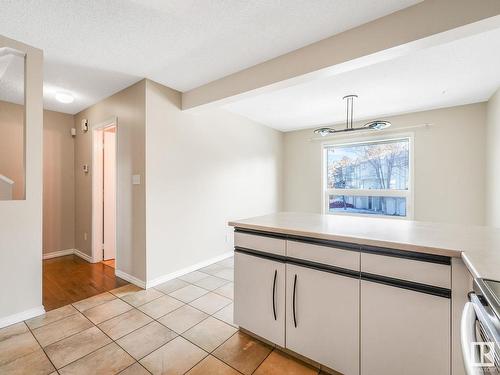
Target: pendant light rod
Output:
[
  {"x": 349, "y": 126},
  {"x": 350, "y": 110}
]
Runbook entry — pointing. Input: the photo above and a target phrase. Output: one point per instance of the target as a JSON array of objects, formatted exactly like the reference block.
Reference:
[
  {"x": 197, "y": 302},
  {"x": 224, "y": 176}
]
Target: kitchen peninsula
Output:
[{"x": 360, "y": 295}]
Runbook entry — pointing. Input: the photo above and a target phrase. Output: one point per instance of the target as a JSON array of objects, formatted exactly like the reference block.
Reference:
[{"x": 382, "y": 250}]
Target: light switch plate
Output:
[{"x": 136, "y": 179}]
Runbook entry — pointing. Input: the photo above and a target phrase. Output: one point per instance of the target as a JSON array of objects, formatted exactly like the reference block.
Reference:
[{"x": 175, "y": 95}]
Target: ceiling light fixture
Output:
[
  {"x": 64, "y": 97},
  {"x": 372, "y": 125}
]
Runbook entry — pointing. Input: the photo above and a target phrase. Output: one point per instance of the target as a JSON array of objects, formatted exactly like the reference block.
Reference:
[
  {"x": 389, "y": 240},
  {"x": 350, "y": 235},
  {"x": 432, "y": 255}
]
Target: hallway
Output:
[{"x": 70, "y": 279}]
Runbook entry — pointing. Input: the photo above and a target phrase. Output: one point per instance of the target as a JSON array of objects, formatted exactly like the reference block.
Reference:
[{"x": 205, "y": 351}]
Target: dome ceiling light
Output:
[
  {"x": 372, "y": 125},
  {"x": 64, "y": 97}
]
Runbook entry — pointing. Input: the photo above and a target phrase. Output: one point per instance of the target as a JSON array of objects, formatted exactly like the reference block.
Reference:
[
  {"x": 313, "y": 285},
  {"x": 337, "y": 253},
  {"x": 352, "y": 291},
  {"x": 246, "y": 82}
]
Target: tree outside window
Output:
[{"x": 368, "y": 178}]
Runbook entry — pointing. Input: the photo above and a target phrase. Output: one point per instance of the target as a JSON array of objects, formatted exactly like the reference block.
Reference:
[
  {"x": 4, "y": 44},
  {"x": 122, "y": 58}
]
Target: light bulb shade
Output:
[
  {"x": 324, "y": 131},
  {"x": 377, "y": 125},
  {"x": 64, "y": 97}
]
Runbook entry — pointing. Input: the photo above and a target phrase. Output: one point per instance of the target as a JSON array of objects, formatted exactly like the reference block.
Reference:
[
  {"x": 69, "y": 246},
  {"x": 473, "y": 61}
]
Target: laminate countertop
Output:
[{"x": 478, "y": 246}]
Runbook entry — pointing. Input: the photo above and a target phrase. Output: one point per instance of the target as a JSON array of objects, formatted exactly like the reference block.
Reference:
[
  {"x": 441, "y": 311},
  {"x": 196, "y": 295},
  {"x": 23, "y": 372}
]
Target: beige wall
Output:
[
  {"x": 58, "y": 182},
  {"x": 128, "y": 106},
  {"x": 203, "y": 169},
  {"x": 493, "y": 161},
  {"x": 58, "y": 171},
  {"x": 12, "y": 146},
  {"x": 449, "y": 165},
  {"x": 21, "y": 221}
]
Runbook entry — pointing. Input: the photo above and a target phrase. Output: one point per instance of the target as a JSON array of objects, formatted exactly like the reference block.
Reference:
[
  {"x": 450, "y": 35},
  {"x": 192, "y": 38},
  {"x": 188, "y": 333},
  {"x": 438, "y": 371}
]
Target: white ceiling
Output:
[
  {"x": 11, "y": 76},
  {"x": 460, "y": 72},
  {"x": 94, "y": 48}
]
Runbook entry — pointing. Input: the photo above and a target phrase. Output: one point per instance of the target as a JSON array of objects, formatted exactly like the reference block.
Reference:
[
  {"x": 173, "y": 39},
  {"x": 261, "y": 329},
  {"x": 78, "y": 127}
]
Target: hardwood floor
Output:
[
  {"x": 70, "y": 279},
  {"x": 109, "y": 263}
]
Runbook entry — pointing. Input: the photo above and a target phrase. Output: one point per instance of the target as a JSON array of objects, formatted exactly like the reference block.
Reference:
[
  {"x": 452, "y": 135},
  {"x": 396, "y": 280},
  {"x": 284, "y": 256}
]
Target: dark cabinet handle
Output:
[
  {"x": 293, "y": 300},
  {"x": 274, "y": 293}
]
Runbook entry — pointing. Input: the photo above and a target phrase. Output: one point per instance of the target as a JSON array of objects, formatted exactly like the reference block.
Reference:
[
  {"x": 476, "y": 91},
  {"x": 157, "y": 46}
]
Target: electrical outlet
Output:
[{"x": 85, "y": 236}]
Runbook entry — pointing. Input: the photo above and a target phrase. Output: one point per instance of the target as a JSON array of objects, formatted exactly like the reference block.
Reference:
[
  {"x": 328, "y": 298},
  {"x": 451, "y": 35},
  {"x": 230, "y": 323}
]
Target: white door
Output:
[
  {"x": 259, "y": 296},
  {"x": 322, "y": 320},
  {"x": 403, "y": 331},
  {"x": 109, "y": 181}
]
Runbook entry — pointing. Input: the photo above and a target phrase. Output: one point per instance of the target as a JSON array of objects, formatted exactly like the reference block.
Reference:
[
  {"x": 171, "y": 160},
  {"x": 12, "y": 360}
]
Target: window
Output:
[{"x": 368, "y": 178}]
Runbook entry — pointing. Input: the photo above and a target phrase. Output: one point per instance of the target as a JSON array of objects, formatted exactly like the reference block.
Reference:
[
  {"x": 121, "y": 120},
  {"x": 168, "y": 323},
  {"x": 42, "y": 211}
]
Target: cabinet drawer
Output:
[
  {"x": 407, "y": 269},
  {"x": 261, "y": 243},
  {"x": 323, "y": 254}
]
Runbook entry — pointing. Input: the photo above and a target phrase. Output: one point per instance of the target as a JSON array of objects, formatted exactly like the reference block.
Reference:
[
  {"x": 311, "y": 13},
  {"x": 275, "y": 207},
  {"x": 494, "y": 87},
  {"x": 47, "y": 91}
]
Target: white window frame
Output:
[{"x": 346, "y": 141}]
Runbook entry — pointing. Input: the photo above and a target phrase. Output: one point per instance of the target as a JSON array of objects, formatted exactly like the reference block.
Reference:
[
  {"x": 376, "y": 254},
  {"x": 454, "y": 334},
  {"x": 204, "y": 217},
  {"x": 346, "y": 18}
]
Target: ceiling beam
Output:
[{"x": 428, "y": 23}]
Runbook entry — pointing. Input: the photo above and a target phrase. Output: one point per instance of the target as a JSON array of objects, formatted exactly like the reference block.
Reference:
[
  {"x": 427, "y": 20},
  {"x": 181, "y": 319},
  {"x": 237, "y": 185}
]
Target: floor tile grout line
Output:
[
  {"x": 135, "y": 329},
  {"x": 193, "y": 343},
  {"x": 115, "y": 316},
  {"x": 226, "y": 281},
  {"x": 215, "y": 312},
  {"x": 211, "y": 352},
  {"x": 153, "y": 319},
  {"x": 81, "y": 312},
  {"x": 145, "y": 303},
  {"x": 67, "y": 337},
  {"x": 268, "y": 354},
  {"x": 114, "y": 341},
  {"x": 193, "y": 283},
  {"x": 95, "y": 350},
  {"x": 140, "y": 364},
  {"x": 64, "y": 317},
  {"x": 219, "y": 319},
  {"x": 177, "y": 299},
  {"x": 73, "y": 334},
  {"x": 43, "y": 349},
  {"x": 125, "y": 350},
  {"x": 157, "y": 320},
  {"x": 222, "y": 360},
  {"x": 194, "y": 325},
  {"x": 30, "y": 332}
]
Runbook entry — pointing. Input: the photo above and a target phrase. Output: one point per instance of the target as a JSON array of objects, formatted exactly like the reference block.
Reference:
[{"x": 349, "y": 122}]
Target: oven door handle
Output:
[
  {"x": 484, "y": 318},
  {"x": 468, "y": 336}
]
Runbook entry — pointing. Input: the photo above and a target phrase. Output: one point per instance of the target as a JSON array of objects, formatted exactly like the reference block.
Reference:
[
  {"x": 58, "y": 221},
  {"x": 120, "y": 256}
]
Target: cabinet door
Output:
[
  {"x": 403, "y": 331},
  {"x": 324, "y": 326},
  {"x": 259, "y": 296}
]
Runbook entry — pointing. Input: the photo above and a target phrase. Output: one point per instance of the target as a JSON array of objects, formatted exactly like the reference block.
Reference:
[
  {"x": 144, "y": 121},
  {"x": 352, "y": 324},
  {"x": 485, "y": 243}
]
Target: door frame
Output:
[{"x": 96, "y": 209}]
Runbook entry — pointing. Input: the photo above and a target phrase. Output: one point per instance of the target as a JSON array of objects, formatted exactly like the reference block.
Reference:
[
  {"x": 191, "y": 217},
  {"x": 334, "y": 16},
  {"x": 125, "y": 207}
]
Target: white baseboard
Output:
[
  {"x": 183, "y": 271},
  {"x": 56, "y": 254},
  {"x": 61, "y": 253},
  {"x": 23, "y": 315},
  {"x": 131, "y": 279},
  {"x": 84, "y": 256}
]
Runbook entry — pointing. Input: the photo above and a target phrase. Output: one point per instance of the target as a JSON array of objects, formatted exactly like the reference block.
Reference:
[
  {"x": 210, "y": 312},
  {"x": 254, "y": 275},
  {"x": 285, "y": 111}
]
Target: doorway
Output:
[
  {"x": 104, "y": 193},
  {"x": 69, "y": 274}
]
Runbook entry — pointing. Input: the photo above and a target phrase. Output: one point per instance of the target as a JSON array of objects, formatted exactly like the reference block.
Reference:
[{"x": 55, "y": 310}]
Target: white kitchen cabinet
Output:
[
  {"x": 322, "y": 321},
  {"x": 403, "y": 331},
  {"x": 259, "y": 296}
]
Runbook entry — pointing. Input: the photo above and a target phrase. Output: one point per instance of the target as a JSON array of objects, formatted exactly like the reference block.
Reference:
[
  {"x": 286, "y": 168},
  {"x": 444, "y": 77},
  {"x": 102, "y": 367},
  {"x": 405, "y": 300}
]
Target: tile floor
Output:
[{"x": 184, "y": 326}]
